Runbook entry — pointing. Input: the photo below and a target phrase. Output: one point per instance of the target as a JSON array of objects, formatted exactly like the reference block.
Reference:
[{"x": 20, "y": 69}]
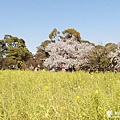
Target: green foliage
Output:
[
  {"x": 53, "y": 34},
  {"x": 44, "y": 44},
  {"x": 111, "y": 47},
  {"x": 41, "y": 54},
  {"x": 72, "y": 33},
  {"x": 3, "y": 49},
  {"x": 86, "y": 41},
  {"x": 99, "y": 55},
  {"x": 16, "y": 51}
]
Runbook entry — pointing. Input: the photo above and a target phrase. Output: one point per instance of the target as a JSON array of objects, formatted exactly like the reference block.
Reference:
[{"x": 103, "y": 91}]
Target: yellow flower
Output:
[
  {"x": 96, "y": 92},
  {"x": 1, "y": 76},
  {"x": 62, "y": 108},
  {"x": 46, "y": 115},
  {"x": 96, "y": 71},
  {"x": 77, "y": 97},
  {"x": 91, "y": 73},
  {"x": 46, "y": 88}
]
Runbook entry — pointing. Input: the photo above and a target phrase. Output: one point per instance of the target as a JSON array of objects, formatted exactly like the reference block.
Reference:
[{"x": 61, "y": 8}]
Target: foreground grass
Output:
[{"x": 28, "y": 95}]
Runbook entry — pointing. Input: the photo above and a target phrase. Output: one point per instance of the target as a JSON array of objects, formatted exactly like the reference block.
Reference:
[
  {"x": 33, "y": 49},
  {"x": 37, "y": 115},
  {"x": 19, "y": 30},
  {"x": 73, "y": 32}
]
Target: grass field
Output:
[{"x": 42, "y": 95}]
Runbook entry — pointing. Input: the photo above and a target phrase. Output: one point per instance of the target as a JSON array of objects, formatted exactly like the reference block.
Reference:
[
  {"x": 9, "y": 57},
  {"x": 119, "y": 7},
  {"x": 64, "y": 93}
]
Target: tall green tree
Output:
[{"x": 17, "y": 52}]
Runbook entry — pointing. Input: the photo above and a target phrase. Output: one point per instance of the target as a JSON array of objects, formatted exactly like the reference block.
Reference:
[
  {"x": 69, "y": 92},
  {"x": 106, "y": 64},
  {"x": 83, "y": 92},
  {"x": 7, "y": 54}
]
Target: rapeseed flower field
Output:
[{"x": 44, "y": 95}]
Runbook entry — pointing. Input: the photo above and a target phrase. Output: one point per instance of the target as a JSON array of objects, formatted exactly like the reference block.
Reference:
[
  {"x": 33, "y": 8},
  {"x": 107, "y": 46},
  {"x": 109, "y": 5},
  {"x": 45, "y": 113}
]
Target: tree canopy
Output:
[
  {"x": 16, "y": 51},
  {"x": 72, "y": 33}
]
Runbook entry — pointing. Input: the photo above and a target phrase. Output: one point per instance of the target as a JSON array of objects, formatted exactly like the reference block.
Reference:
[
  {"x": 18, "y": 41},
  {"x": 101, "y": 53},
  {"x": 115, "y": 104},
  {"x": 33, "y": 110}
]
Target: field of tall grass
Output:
[{"x": 43, "y": 95}]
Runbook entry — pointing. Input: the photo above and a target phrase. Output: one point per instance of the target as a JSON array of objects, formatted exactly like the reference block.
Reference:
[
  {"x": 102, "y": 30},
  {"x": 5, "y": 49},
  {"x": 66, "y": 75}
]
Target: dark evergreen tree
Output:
[{"x": 16, "y": 53}]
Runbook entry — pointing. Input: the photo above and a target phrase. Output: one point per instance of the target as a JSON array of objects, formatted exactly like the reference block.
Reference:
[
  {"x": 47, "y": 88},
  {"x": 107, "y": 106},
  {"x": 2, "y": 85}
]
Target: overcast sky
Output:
[{"x": 97, "y": 20}]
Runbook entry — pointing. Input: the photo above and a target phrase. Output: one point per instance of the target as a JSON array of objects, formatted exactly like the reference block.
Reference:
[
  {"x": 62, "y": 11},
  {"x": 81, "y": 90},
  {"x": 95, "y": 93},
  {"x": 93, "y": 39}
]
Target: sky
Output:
[{"x": 33, "y": 20}]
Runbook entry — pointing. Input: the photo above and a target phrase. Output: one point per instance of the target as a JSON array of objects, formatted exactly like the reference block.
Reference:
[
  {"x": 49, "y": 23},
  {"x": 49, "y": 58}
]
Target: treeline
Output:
[{"x": 65, "y": 49}]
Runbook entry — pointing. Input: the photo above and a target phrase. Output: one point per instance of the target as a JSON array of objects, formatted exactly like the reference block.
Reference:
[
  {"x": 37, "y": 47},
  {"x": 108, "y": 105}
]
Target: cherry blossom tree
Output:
[{"x": 67, "y": 53}]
